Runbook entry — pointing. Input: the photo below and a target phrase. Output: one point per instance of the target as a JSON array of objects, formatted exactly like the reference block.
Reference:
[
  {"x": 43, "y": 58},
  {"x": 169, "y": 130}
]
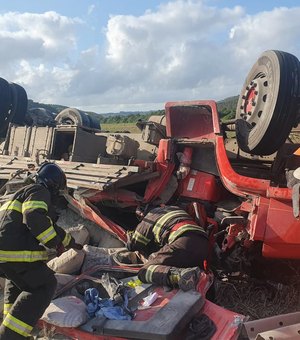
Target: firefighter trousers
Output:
[
  {"x": 188, "y": 250},
  {"x": 29, "y": 288}
]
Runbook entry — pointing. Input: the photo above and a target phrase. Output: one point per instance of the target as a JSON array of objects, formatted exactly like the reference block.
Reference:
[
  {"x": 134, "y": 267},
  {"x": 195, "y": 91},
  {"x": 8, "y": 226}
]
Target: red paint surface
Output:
[{"x": 200, "y": 185}]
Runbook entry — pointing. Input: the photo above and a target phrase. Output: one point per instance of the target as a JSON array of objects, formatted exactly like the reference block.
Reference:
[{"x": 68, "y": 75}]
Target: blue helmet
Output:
[{"x": 52, "y": 177}]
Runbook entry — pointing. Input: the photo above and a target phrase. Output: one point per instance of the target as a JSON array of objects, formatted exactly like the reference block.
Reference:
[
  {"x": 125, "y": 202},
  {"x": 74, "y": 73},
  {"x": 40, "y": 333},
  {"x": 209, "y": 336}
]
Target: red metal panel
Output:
[
  {"x": 193, "y": 120},
  {"x": 281, "y": 251},
  {"x": 228, "y": 323},
  {"x": 258, "y": 219},
  {"x": 165, "y": 167},
  {"x": 280, "y": 193},
  {"x": 200, "y": 185},
  {"x": 282, "y": 235},
  {"x": 124, "y": 197},
  {"x": 75, "y": 333},
  {"x": 237, "y": 184}
]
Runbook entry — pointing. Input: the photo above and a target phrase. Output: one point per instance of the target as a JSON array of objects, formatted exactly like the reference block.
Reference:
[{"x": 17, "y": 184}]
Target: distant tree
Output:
[{"x": 226, "y": 109}]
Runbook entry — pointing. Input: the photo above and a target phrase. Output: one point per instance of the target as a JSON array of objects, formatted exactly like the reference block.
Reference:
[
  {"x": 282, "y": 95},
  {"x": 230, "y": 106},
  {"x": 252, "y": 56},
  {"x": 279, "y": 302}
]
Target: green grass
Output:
[{"x": 113, "y": 127}]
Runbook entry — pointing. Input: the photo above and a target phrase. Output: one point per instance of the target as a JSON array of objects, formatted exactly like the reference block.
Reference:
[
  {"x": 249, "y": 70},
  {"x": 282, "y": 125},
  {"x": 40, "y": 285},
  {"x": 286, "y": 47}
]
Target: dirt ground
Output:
[
  {"x": 259, "y": 300},
  {"x": 277, "y": 293}
]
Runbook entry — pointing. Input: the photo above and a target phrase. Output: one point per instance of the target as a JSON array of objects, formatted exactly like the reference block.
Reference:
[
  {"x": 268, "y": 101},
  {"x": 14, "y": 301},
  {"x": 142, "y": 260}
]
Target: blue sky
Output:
[{"x": 107, "y": 56}]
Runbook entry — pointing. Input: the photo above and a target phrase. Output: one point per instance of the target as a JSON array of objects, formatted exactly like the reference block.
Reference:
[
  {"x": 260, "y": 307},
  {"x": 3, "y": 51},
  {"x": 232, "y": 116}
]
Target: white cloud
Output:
[
  {"x": 184, "y": 50},
  {"x": 32, "y": 36},
  {"x": 91, "y": 9},
  {"x": 276, "y": 29}
]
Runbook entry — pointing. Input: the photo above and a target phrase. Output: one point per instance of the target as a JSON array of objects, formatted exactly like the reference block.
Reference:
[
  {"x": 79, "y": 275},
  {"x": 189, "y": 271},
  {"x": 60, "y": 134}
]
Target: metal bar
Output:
[{"x": 138, "y": 178}]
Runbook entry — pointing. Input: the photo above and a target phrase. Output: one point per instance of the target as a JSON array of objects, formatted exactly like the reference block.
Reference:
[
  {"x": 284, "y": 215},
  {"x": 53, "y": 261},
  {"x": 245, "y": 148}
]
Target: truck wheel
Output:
[
  {"x": 39, "y": 116},
  {"x": 94, "y": 123},
  {"x": 19, "y": 104},
  {"x": 71, "y": 116},
  {"x": 268, "y": 106},
  {"x": 5, "y": 106}
]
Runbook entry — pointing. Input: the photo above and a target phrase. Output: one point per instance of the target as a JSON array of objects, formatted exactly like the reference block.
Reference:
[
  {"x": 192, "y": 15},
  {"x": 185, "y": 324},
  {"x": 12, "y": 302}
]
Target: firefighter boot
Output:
[{"x": 184, "y": 278}]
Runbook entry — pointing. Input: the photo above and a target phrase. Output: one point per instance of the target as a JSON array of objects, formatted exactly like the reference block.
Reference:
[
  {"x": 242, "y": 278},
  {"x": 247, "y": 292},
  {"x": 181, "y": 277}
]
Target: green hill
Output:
[{"x": 226, "y": 109}]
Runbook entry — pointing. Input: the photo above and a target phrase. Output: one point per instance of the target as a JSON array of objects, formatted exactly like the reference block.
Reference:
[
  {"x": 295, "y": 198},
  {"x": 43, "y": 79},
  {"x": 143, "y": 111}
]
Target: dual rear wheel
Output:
[
  {"x": 13, "y": 105},
  {"x": 268, "y": 106}
]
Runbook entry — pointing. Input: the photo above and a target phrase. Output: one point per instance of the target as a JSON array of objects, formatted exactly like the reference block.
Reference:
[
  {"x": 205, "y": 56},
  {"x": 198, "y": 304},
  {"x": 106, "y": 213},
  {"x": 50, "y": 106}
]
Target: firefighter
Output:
[
  {"x": 177, "y": 246},
  {"x": 25, "y": 230}
]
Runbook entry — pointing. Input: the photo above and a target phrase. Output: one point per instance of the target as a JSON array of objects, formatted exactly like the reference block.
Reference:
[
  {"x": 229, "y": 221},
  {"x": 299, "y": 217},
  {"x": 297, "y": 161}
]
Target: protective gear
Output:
[
  {"x": 189, "y": 250},
  {"x": 25, "y": 228},
  {"x": 184, "y": 278},
  {"x": 162, "y": 226},
  {"x": 60, "y": 249},
  {"x": 76, "y": 246},
  {"x": 52, "y": 177},
  {"x": 173, "y": 239},
  {"x": 27, "y": 293}
]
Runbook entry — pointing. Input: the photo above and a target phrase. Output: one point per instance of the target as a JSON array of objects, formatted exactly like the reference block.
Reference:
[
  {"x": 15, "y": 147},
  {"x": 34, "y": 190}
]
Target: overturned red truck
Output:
[{"x": 244, "y": 191}]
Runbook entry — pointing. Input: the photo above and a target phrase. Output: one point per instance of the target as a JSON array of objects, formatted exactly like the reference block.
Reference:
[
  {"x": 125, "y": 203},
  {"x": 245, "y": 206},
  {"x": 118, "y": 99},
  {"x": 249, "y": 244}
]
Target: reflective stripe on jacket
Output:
[
  {"x": 17, "y": 325},
  {"x": 25, "y": 226},
  {"x": 161, "y": 226}
]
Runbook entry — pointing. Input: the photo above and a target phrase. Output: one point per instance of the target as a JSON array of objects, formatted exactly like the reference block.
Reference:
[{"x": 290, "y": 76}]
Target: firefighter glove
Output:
[
  {"x": 60, "y": 249},
  {"x": 77, "y": 246}
]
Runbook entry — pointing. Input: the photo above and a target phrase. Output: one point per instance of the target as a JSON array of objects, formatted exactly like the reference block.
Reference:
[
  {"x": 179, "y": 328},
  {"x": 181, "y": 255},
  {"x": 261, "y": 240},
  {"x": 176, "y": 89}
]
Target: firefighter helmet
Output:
[{"x": 52, "y": 177}]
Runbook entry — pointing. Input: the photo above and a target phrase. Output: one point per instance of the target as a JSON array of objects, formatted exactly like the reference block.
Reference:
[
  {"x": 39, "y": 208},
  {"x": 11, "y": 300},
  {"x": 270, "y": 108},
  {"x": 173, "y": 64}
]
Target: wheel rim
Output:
[
  {"x": 68, "y": 121},
  {"x": 254, "y": 99}
]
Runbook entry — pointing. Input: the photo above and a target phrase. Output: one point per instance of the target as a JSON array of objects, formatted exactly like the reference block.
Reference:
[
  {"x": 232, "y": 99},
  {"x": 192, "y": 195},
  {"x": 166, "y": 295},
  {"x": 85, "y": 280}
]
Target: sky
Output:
[{"x": 136, "y": 55}]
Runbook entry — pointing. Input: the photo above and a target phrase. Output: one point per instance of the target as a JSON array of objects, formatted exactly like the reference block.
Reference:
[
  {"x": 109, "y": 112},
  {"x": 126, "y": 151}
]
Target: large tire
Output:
[
  {"x": 71, "y": 116},
  {"x": 268, "y": 106},
  {"x": 5, "y": 106},
  {"x": 19, "y": 104},
  {"x": 94, "y": 123},
  {"x": 39, "y": 116}
]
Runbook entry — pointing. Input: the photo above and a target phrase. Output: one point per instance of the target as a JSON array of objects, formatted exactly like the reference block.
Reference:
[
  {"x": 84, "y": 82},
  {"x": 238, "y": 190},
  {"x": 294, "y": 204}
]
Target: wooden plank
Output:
[
  {"x": 13, "y": 167},
  {"x": 9, "y": 160},
  {"x": 98, "y": 180},
  {"x": 100, "y": 172},
  {"x": 95, "y": 166},
  {"x": 80, "y": 175},
  {"x": 71, "y": 169},
  {"x": 79, "y": 172},
  {"x": 5, "y": 176},
  {"x": 133, "y": 179},
  {"x": 73, "y": 178},
  {"x": 94, "y": 178},
  {"x": 77, "y": 184}
]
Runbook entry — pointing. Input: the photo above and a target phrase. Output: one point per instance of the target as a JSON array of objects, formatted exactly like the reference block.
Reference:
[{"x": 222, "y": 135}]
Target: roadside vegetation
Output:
[
  {"x": 227, "y": 107},
  {"x": 117, "y": 127},
  {"x": 126, "y": 121}
]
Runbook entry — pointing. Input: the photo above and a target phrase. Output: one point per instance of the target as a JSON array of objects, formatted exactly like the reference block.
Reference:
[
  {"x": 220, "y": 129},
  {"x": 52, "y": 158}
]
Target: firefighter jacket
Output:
[
  {"x": 25, "y": 226},
  {"x": 162, "y": 226}
]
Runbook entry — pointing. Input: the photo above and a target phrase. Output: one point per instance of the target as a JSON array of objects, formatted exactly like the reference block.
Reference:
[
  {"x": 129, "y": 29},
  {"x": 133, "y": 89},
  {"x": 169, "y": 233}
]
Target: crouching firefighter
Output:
[
  {"x": 25, "y": 228},
  {"x": 178, "y": 247}
]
